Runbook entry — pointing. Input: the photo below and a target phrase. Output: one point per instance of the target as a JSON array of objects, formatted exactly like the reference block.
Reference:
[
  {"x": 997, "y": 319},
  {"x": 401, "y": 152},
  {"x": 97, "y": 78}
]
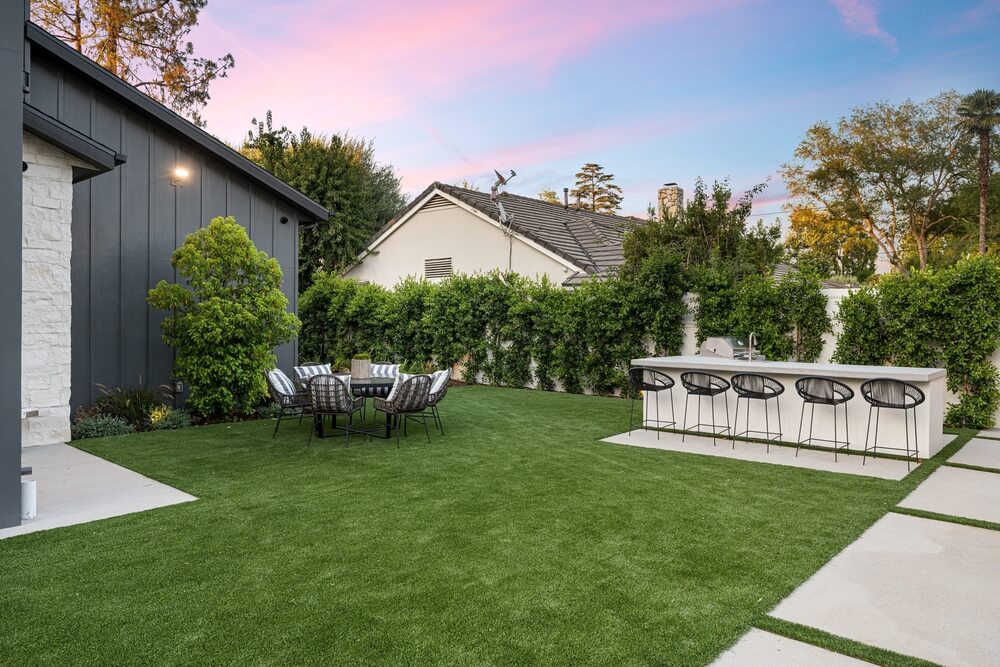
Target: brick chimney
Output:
[{"x": 670, "y": 198}]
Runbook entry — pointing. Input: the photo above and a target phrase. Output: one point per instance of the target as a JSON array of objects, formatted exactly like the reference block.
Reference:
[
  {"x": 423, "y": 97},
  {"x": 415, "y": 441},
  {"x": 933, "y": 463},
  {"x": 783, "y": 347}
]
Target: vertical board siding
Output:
[{"x": 127, "y": 223}]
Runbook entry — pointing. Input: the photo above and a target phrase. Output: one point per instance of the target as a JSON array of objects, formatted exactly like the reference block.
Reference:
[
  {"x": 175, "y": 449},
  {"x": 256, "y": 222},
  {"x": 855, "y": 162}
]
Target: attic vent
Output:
[
  {"x": 437, "y": 268},
  {"x": 437, "y": 201}
]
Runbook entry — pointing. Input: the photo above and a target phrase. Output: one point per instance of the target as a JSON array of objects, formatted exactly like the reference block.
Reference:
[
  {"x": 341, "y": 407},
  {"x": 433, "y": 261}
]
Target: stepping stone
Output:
[
  {"x": 763, "y": 649},
  {"x": 990, "y": 433},
  {"x": 967, "y": 493},
  {"x": 979, "y": 452},
  {"x": 924, "y": 588}
]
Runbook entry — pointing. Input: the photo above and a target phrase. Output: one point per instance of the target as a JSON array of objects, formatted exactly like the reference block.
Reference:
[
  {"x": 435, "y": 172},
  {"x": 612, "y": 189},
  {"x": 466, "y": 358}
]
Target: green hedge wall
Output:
[
  {"x": 498, "y": 323},
  {"x": 948, "y": 318}
]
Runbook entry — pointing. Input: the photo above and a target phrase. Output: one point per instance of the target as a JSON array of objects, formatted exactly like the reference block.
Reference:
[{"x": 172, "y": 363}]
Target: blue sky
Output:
[{"x": 654, "y": 91}]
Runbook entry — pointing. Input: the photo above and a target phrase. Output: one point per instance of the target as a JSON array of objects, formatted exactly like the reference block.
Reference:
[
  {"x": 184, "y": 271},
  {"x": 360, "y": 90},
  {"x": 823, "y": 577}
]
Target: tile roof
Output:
[{"x": 588, "y": 240}]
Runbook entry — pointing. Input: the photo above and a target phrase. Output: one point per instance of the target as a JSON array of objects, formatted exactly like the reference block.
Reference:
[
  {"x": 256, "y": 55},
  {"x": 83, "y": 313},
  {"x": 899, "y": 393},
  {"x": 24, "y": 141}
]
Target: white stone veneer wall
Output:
[{"x": 47, "y": 244}]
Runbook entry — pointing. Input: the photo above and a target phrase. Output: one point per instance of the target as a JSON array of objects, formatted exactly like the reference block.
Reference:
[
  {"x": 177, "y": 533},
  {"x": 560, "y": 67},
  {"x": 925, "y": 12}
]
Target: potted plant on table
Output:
[{"x": 361, "y": 366}]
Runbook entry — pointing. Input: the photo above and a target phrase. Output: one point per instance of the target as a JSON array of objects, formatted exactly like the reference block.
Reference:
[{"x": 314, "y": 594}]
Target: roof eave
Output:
[{"x": 98, "y": 157}]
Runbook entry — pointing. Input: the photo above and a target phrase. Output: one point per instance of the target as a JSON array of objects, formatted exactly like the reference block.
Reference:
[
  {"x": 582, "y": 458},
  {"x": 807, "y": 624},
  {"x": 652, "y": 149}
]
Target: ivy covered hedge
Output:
[
  {"x": 948, "y": 318},
  {"x": 788, "y": 315},
  {"x": 498, "y": 324}
]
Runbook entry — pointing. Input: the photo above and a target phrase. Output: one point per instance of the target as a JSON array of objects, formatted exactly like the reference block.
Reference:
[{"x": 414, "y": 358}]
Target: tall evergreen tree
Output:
[
  {"x": 980, "y": 114},
  {"x": 141, "y": 41},
  {"x": 595, "y": 190},
  {"x": 339, "y": 172}
]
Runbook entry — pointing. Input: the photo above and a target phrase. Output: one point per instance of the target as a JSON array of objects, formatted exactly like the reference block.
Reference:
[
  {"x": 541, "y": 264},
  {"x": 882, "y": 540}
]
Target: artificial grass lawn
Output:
[{"x": 517, "y": 537}]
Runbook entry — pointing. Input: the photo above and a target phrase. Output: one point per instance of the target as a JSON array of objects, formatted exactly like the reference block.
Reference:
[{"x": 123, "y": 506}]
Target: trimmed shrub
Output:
[
  {"x": 100, "y": 426},
  {"x": 134, "y": 405},
  {"x": 170, "y": 419}
]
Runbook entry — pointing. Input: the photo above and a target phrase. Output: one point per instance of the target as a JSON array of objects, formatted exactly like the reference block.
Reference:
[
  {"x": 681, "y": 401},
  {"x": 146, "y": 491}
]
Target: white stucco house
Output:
[{"x": 448, "y": 229}]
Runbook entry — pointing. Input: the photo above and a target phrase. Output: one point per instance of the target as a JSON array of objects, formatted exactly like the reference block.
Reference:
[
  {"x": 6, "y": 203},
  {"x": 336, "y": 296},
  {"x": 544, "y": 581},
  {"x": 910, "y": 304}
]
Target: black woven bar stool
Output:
[
  {"x": 754, "y": 387},
  {"x": 893, "y": 395},
  {"x": 705, "y": 384},
  {"x": 823, "y": 391},
  {"x": 649, "y": 379}
]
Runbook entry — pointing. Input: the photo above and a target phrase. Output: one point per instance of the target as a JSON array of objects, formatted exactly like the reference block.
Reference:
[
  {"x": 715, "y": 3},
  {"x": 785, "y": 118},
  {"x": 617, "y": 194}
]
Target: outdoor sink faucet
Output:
[{"x": 753, "y": 341}]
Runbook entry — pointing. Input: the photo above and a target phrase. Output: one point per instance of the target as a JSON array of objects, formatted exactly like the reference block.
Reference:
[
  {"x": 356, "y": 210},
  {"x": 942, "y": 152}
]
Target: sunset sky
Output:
[{"x": 655, "y": 91}]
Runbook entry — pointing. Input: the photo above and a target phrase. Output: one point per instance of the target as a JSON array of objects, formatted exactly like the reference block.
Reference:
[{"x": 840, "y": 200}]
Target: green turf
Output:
[{"x": 516, "y": 538}]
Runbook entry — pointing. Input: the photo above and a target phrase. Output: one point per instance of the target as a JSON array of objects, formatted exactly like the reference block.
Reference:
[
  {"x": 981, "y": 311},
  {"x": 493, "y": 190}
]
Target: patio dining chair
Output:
[
  {"x": 331, "y": 395},
  {"x": 407, "y": 401},
  {"x": 289, "y": 399},
  {"x": 309, "y": 370},
  {"x": 439, "y": 387}
]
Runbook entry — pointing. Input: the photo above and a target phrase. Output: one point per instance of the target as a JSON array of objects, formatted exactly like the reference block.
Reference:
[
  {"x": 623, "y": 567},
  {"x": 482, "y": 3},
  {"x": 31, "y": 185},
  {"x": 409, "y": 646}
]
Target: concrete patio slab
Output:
[
  {"x": 757, "y": 452},
  {"x": 979, "y": 452},
  {"x": 990, "y": 433},
  {"x": 960, "y": 492},
  {"x": 758, "y": 648},
  {"x": 924, "y": 588},
  {"x": 77, "y": 487}
]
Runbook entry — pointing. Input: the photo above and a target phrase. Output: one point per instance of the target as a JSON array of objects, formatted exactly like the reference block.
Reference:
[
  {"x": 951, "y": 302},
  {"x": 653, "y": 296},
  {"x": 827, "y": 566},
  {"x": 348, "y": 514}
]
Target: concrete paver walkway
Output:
[
  {"x": 77, "y": 487},
  {"x": 925, "y": 588},
  {"x": 960, "y": 492},
  {"x": 978, "y": 452},
  {"x": 758, "y": 648}
]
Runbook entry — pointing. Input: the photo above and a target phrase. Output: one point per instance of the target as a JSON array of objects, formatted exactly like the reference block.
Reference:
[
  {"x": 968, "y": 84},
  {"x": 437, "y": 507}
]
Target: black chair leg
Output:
[
  {"x": 684, "y": 430},
  {"x": 311, "y": 431},
  {"x": 281, "y": 412},
  {"x": 427, "y": 431},
  {"x": 631, "y": 411},
  {"x": 732, "y": 434},
  {"x": 798, "y": 439},
  {"x": 395, "y": 421},
  {"x": 657, "y": 395}
]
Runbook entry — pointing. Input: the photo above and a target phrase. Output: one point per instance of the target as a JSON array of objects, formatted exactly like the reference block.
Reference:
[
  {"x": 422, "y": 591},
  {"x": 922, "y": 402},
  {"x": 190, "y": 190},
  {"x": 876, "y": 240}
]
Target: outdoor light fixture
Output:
[{"x": 179, "y": 175}]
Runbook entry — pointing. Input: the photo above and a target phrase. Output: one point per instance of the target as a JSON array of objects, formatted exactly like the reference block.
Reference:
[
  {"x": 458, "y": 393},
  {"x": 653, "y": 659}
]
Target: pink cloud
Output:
[
  {"x": 860, "y": 16},
  {"x": 352, "y": 64}
]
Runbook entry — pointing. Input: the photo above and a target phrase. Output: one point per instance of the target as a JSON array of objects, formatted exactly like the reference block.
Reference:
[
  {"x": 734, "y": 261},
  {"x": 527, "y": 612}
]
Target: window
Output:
[{"x": 437, "y": 268}]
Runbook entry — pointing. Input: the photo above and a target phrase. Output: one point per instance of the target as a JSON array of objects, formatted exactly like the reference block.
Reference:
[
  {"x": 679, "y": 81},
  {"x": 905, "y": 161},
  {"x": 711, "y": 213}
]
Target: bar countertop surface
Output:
[{"x": 722, "y": 364}]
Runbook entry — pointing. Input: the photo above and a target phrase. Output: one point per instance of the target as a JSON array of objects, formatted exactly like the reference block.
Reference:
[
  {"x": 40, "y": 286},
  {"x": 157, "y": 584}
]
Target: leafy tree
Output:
[
  {"x": 887, "y": 167},
  {"x": 595, "y": 190},
  {"x": 339, "y": 172},
  {"x": 549, "y": 195},
  {"x": 227, "y": 316},
  {"x": 142, "y": 42},
  {"x": 828, "y": 246},
  {"x": 979, "y": 114}
]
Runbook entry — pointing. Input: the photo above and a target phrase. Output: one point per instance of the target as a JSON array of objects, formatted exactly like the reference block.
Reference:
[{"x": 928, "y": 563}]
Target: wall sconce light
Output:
[
  {"x": 179, "y": 175},
  {"x": 284, "y": 220}
]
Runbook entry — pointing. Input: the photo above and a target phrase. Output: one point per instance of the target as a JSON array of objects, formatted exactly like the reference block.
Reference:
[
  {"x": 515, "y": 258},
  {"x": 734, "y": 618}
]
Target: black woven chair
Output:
[
  {"x": 407, "y": 402},
  {"x": 650, "y": 380},
  {"x": 331, "y": 396},
  {"x": 754, "y": 387},
  {"x": 705, "y": 384},
  {"x": 288, "y": 399},
  {"x": 434, "y": 398},
  {"x": 815, "y": 391},
  {"x": 892, "y": 395}
]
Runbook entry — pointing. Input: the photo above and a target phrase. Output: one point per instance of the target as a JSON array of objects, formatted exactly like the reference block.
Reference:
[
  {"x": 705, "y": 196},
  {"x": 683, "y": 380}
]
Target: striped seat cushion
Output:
[
  {"x": 384, "y": 370},
  {"x": 439, "y": 380},
  {"x": 303, "y": 373},
  {"x": 280, "y": 382}
]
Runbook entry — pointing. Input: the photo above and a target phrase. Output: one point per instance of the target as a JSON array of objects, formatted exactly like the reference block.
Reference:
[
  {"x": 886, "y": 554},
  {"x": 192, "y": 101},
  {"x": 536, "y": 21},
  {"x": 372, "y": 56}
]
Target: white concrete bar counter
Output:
[{"x": 892, "y": 433}]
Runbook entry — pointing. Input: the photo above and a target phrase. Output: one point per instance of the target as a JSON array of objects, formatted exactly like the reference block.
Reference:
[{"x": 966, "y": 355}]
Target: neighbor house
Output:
[
  {"x": 448, "y": 229},
  {"x": 108, "y": 185}
]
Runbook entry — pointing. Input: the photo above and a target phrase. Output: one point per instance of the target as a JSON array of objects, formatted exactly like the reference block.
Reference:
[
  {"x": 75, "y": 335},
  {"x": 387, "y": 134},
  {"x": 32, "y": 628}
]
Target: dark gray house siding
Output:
[
  {"x": 127, "y": 222},
  {"x": 11, "y": 77}
]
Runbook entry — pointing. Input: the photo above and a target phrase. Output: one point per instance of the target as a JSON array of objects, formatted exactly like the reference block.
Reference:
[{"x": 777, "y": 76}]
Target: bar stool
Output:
[
  {"x": 648, "y": 379},
  {"x": 894, "y": 395},
  {"x": 823, "y": 391},
  {"x": 705, "y": 384},
  {"x": 752, "y": 386}
]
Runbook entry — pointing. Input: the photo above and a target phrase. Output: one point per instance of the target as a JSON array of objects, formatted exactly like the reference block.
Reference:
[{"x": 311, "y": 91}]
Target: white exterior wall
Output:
[
  {"x": 475, "y": 246},
  {"x": 47, "y": 245}
]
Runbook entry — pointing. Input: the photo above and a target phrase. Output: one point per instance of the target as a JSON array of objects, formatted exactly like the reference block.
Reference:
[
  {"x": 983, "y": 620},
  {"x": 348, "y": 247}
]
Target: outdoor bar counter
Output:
[{"x": 929, "y": 415}]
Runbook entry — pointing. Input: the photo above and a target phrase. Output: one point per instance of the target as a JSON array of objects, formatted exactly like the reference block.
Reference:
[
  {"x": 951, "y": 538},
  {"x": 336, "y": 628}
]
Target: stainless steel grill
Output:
[{"x": 729, "y": 347}]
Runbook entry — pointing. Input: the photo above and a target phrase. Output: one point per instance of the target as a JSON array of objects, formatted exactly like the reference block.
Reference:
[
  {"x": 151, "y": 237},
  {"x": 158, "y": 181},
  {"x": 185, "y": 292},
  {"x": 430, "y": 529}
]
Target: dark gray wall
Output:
[
  {"x": 11, "y": 81},
  {"x": 126, "y": 224}
]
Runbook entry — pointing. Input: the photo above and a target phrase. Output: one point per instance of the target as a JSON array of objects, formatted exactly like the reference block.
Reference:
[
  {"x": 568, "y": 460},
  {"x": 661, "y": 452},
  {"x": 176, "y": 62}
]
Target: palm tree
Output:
[{"x": 980, "y": 113}]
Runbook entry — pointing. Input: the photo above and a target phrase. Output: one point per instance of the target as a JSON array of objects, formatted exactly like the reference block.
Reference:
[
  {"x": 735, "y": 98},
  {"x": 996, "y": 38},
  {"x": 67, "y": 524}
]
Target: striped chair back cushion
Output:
[
  {"x": 303, "y": 373},
  {"x": 382, "y": 370},
  {"x": 400, "y": 379},
  {"x": 280, "y": 382},
  {"x": 439, "y": 380}
]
